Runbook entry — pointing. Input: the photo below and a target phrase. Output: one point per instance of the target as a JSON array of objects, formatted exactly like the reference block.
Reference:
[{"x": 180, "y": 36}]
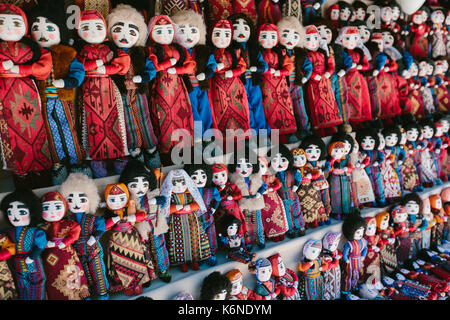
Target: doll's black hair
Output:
[
  {"x": 136, "y": 168},
  {"x": 342, "y": 136},
  {"x": 325, "y": 22},
  {"x": 427, "y": 10},
  {"x": 359, "y": 5},
  {"x": 227, "y": 220},
  {"x": 428, "y": 121},
  {"x": 412, "y": 197},
  {"x": 344, "y": 5},
  {"x": 249, "y": 155},
  {"x": 314, "y": 139},
  {"x": 352, "y": 223},
  {"x": 409, "y": 122},
  {"x": 392, "y": 129},
  {"x": 191, "y": 168},
  {"x": 213, "y": 284},
  {"x": 27, "y": 197},
  {"x": 367, "y": 132},
  {"x": 285, "y": 153}
]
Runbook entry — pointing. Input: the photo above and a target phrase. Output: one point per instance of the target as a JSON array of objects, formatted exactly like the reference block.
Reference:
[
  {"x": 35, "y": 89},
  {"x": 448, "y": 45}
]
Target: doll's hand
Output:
[
  {"x": 229, "y": 74},
  {"x": 358, "y": 165},
  {"x": 258, "y": 195},
  {"x": 272, "y": 71},
  {"x": 376, "y": 164},
  {"x": 270, "y": 190},
  {"x": 400, "y": 162},
  {"x": 137, "y": 79},
  {"x": 213, "y": 210},
  {"x": 253, "y": 69},
  {"x": 173, "y": 61},
  {"x": 99, "y": 62},
  {"x": 187, "y": 207},
  {"x": 426, "y": 34},
  {"x": 179, "y": 207},
  {"x": 91, "y": 241},
  {"x": 28, "y": 260},
  {"x": 327, "y": 75},
  {"x": 61, "y": 245},
  {"x": 201, "y": 76},
  {"x": 318, "y": 77},
  {"x": 419, "y": 147},
  {"x": 341, "y": 73},
  {"x": 438, "y": 151},
  {"x": 304, "y": 80},
  {"x": 51, "y": 244},
  {"x": 8, "y": 64},
  {"x": 152, "y": 201},
  {"x": 115, "y": 219},
  {"x": 411, "y": 151},
  {"x": 338, "y": 256},
  {"x": 277, "y": 73},
  {"x": 15, "y": 69},
  {"x": 354, "y": 65},
  {"x": 386, "y": 69},
  {"x": 59, "y": 83},
  {"x": 131, "y": 218},
  {"x": 309, "y": 176},
  {"x": 172, "y": 71},
  {"x": 101, "y": 70},
  {"x": 445, "y": 146},
  {"x": 320, "y": 268},
  {"x": 375, "y": 72},
  {"x": 345, "y": 169},
  {"x": 294, "y": 188},
  {"x": 359, "y": 67},
  {"x": 220, "y": 66},
  {"x": 416, "y": 86},
  {"x": 230, "y": 198},
  {"x": 405, "y": 74},
  {"x": 391, "y": 240},
  {"x": 316, "y": 6}
]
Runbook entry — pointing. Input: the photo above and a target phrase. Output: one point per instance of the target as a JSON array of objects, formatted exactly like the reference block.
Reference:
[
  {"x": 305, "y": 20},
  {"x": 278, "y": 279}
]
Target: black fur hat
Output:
[
  {"x": 412, "y": 197},
  {"x": 393, "y": 129},
  {"x": 135, "y": 168},
  {"x": 27, "y": 197},
  {"x": 285, "y": 153},
  {"x": 213, "y": 284},
  {"x": 367, "y": 132},
  {"x": 191, "y": 168},
  {"x": 342, "y": 136},
  {"x": 352, "y": 223},
  {"x": 314, "y": 139}
]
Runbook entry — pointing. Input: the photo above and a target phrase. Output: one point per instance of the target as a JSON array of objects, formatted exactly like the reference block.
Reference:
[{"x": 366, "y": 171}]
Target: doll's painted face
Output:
[
  {"x": 45, "y": 33},
  {"x": 368, "y": 143},
  {"x": 388, "y": 39},
  {"x": 382, "y": 142},
  {"x": 313, "y": 152},
  {"x": 379, "y": 43},
  {"x": 337, "y": 153},
  {"x": 187, "y": 35},
  {"x": 18, "y": 214},
  {"x": 423, "y": 69},
  {"x": 426, "y": 206},
  {"x": 430, "y": 69},
  {"x": 350, "y": 41},
  {"x": 221, "y": 37},
  {"x": 289, "y": 38},
  {"x": 355, "y": 149},
  {"x": 367, "y": 292},
  {"x": 179, "y": 185},
  {"x": 428, "y": 132},
  {"x": 116, "y": 201},
  {"x": 264, "y": 273},
  {"x": 417, "y": 19},
  {"x": 244, "y": 167},
  {"x": 220, "y": 295},
  {"x": 360, "y": 14},
  {"x": 200, "y": 178},
  {"x": 371, "y": 228},
  {"x": 334, "y": 246},
  {"x": 364, "y": 33},
  {"x": 412, "y": 134},
  {"x": 281, "y": 267},
  {"x": 359, "y": 233},
  {"x": 344, "y": 14},
  {"x": 412, "y": 207},
  {"x": 325, "y": 33},
  {"x": 236, "y": 286},
  {"x": 220, "y": 178},
  {"x": 12, "y": 27},
  {"x": 447, "y": 19},
  {"x": 241, "y": 30},
  {"x": 312, "y": 253},
  {"x": 391, "y": 140},
  {"x": 92, "y": 31},
  {"x": 384, "y": 224},
  {"x": 78, "y": 202},
  {"x": 163, "y": 34},
  {"x": 444, "y": 66},
  {"x": 438, "y": 203},
  {"x": 347, "y": 147},
  {"x": 414, "y": 70},
  {"x": 395, "y": 13},
  {"x": 138, "y": 187},
  {"x": 262, "y": 168},
  {"x": 299, "y": 160},
  {"x": 386, "y": 14},
  {"x": 312, "y": 41},
  {"x": 125, "y": 34},
  {"x": 438, "y": 17},
  {"x": 232, "y": 230},
  {"x": 401, "y": 216},
  {"x": 445, "y": 125},
  {"x": 268, "y": 39},
  {"x": 334, "y": 14},
  {"x": 279, "y": 163},
  {"x": 53, "y": 210},
  {"x": 439, "y": 131}
]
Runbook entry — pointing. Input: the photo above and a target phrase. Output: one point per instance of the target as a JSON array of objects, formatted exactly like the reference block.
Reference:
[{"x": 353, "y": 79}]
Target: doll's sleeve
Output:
[
  {"x": 365, "y": 64},
  {"x": 216, "y": 198},
  {"x": 119, "y": 65},
  {"x": 237, "y": 194},
  {"x": 7, "y": 249},
  {"x": 346, "y": 252},
  {"x": 364, "y": 252},
  {"x": 76, "y": 75},
  {"x": 140, "y": 216},
  {"x": 288, "y": 66},
  {"x": 88, "y": 65},
  {"x": 438, "y": 80},
  {"x": 74, "y": 233},
  {"x": 39, "y": 243},
  {"x": 149, "y": 71},
  {"x": 188, "y": 66},
  {"x": 99, "y": 227},
  {"x": 276, "y": 184},
  {"x": 380, "y": 156},
  {"x": 262, "y": 64},
  {"x": 347, "y": 60},
  {"x": 263, "y": 188},
  {"x": 392, "y": 65},
  {"x": 211, "y": 66},
  {"x": 303, "y": 267},
  {"x": 331, "y": 64},
  {"x": 41, "y": 69},
  {"x": 380, "y": 61}
]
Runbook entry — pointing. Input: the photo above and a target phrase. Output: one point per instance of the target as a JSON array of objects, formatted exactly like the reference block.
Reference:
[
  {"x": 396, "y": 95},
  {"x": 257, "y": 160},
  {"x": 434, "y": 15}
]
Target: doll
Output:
[
  {"x": 358, "y": 92},
  {"x": 23, "y": 209},
  {"x": 48, "y": 29},
  {"x": 345, "y": 13},
  {"x": 276, "y": 99},
  {"x": 413, "y": 205},
  {"x": 413, "y": 132},
  {"x": 281, "y": 164},
  {"x": 310, "y": 200},
  {"x": 332, "y": 276},
  {"x": 83, "y": 200},
  {"x": 360, "y": 10},
  {"x": 371, "y": 265},
  {"x": 355, "y": 250},
  {"x": 128, "y": 265},
  {"x": 244, "y": 170},
  {"x": 230, "y": 109},
  {"x": 438, "y": 33},
  {"x": 311, "y": 10},
  {"x": 340, "y": 185},
  {"x": 60, "y": 258},
  {"x": 311, "y": 268},
  {"x": 444, "y": 155},
  {"x": 390, "y": 170},
  {"x": 440, "y": 218},
  {"x": 170, "y": 97},
  {"x": 215, "y": 286},
  {"x": 333, "y": 14},
  {"x": 402, "y": 230},
  {"x": 388, "y": 257},
  {"x": 128, "y": 30},
  {"x": 273, "y": 215},
  {"x": 101, "y": 61},
  {"x": 440, "y": 144},
  {"x": 285, "y": 279},
  {"x": 315, "y": 154},
  {"x": 408, "y": 172},
  {"x": 238, "y": 290},
  {"x": 188, "y": 241},
  {"x": 265, "y": 288},
  {"x": 269, "y": 11},
  {"x": 232, "y": 240},
  {"x": 429, "y": 165},
  {"x": 291, "y": 34},
  {"x": 445, "y": 197},
  {"x": 202, "y": 176},
  {"x": 322, "y": 103},
  {"x": 21, "y": 59},
  {"x": 143, "y": 187},
  {"x": 245, "y": 40},
  {"x": 441, "y": 83},
  {"x": 426, "y": 86},
  {"x": 418, "y": 103},
  {"x": 419, "y": 44},
  {"x": 431, "y": 223},
  {"x": 369, "y": 141}
]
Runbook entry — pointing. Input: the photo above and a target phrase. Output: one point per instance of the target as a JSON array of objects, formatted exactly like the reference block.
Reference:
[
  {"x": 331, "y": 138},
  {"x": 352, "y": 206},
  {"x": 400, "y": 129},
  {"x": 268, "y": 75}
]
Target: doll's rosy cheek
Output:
[
  {"x": 115, "y": 37},
  {"x": 45, "y": 214},
  {"x": 51, "y": 36},
  {"x": 85, "y": 35}
]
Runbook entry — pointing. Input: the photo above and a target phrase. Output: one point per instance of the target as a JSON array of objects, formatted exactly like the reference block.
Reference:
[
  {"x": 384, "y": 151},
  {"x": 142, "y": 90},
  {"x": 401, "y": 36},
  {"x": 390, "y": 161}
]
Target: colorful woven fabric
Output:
[
  {"x": 273, "y": 214},
  {"x": 355, "y": 252},
  {"x": 7, "y": 286},
  {"x": 290, "y": 200},
  {"x": 311, "y": 283},
  {"x": 340, "y": 190}
]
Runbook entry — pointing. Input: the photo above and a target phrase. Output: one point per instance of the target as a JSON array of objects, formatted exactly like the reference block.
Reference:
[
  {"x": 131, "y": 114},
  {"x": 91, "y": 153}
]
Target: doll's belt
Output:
[
  {"x": 22, "y": 255},
  {"x": 11, "y": 75}
]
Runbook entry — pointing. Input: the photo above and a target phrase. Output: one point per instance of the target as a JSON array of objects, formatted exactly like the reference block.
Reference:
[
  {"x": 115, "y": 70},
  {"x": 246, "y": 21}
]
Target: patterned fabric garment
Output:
[
  {"x": 290, "y": 200},
  {"x": 103, "y": 6},
  {"x": 309, "y": 12},
  {"x": 353, "y": 255},
  {"x": 273, "y": 214},
  {"x": 207, "y": 219},
  {"x": 311, "y": 283},
  {"x": 371, "y": 264},
  {"x": 220, "y": 9},
  {"x": 418, "y": 105},
  {"x": 7, "y": 286},
  {"x": 246, "y": 7},
  {"x": 66, "y": 279},
  {"x": 340, "y": 189},
  {"x": 293, "y": 8},
  {"x": 374, "y": 173},
  {"x": 428, "y": 98},
  {"x": 363, "y": 186},
  {"x": 418, "y": 42},
  {"x": 22, "y": 129},
  {"x": 264, "y": 290},
  {"x": 438, "y": 43},
  {"x": 310, "y": 202},
  {"x": 332, "y": 279},
  {"x": 388, "y": 258},
  {"x": 268, "y": 12},
  {"x": 391, "y": 181},
  {"x": 428, "y": 166},
  {"x": 410, "y": 177},
  {"x": 287, "y": 285}
]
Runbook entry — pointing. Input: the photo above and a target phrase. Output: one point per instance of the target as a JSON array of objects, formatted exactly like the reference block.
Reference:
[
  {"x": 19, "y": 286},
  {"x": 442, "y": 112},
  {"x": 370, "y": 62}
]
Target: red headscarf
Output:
[
  {"x": 219, "y": 167},
  {"x": 223, "y": 24},
  {"x": 90, "y": 15},
  {"x": 274, "y": 262},
  {"x": 159, "y": 20},
  {"x": 331, "y": 8},
  {"x": 311, "y": 29},
  {"x": 6, "y": 8},
  {"x": 268, "y": 27},
  {"x": 54, "y": 196}
]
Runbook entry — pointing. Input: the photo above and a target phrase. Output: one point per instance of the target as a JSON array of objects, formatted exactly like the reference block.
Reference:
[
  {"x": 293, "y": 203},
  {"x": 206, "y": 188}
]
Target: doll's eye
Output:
[
  {"x": 50, "y": 28},
  {"x": 85, "y": 28},
  {"x": 264, "y": 36},
  {"x": 193, "y": 30},
  {"x": 23, "y": 212},
  {"x": 58, "y": 207},
  {"x": 203, "y": 176},
  {"x": 35, "y": 28},
  {"x": 273, "y": 37},
  {"x": 146, "y": 184},
  {"x": 113, "y": 200},
  {"x": 45, "y": 208},
  {"x": 227, "y": 35},
  {"x": 17, "y": 24},
  {"x": 183, "y": 183},
  {"x": 83, "y": 200},
  {"x": 159, "y": 32},
  {"x": 1, "y": 22},
  {"x": 122, "y": 199},
  {"x": 117, "y": 29},
  {"x": 99, "y": 27},
  {"x": 217, "y": 34},
  {"x": 133, "y": 33}
]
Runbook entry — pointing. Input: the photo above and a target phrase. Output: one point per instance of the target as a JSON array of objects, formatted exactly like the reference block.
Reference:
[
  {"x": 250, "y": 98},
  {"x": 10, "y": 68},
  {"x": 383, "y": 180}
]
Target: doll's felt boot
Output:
[
  {"x": 99, "y": 169},
  {"x": 59, "y": 174},
  {"x": 194, "y": 265},
  {"x": 212, "y": 261},
  {"x": 103, "y": 297},
  {"x": 152, "y": 158},
  {"x": 184, "y": 267},
  {"x": 300, "y": 232},
  {"x": 165, "y": 276},
  {"x": 129, "y": 291},
  {"x": 290, "y": 234}
]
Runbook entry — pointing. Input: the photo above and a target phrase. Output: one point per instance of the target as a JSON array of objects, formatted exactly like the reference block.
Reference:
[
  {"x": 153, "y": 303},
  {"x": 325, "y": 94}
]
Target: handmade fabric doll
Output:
[
  {"x": 311, "y": 10},
  {"x": 419, "y": 29},
  {"x": 340, "y": 186},
  {"x": 345, "y": 13},
  {"x": 291, "y": 34},
  {"x": 282, "y": 164},
  {"x": 215, "y": 286},
  {"x": 441, "y": 83},
  {"x": 418, "y": 104},
  {"x": 170, "y": 96},
  {"x": 310, "y": 199},
  {"x": 265, "y": 288},
  {"x": 232, "y": 240},
  {"x": 230, "y": 108},
  {"x": 429, "y": 218},
  {"x": 21, "y": 59},
  {"x": 202, "y": 176},
  {"x": 413, "y": 205},
  {"x": 244, "y": 175},
  {"x": 440, "y": 218},
  {"x": 442, "y": 128},
  {"x": 128, "y": 266},
  {"x": 102, "y": 138},
  {"x": 23, "y": 209},
  {"x": 48, "y": 29},
  {"x": 273, "y": 215},
  {"x": 188, "y": 241},
  {"x": 408, "y": 171},
  {"x": 321, "y": 101},
  {"x": 83, "y": 200},
  {"x": 360, "y": 10},
  {"x": 333, "y": 14},
  {"x": 276, "y": 99},
  {"x": 7, "y": 249},
  {"x": 246, "y": 42},
  {"x": 438, "y": 33},
  {"x": 191, "y": 34},
  {"x": 358, "y": 92},
  {"x": 355, "y": 250},
  {"x": 128, "y": 30},
  {"x": 238, "y": 290},
  {"x": 285, "y": 279},
  {"x": 402, "y": 231},
  {"x": 332, "y": 276},
  {"x": 369, "y": 141},
  {"x": 390, "y": 171},
  {"x": 371, "y": 264},
  {"x": 269, "y": 11},
  {"x": 311, "y": 268},
  {"x": 429, "y": 169},
  {"x": 388, "y": 257},
  {"x": 60, "y": 258},
  {"x": 426, "y": 86},
  {"x": 413, "y": 132}
]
